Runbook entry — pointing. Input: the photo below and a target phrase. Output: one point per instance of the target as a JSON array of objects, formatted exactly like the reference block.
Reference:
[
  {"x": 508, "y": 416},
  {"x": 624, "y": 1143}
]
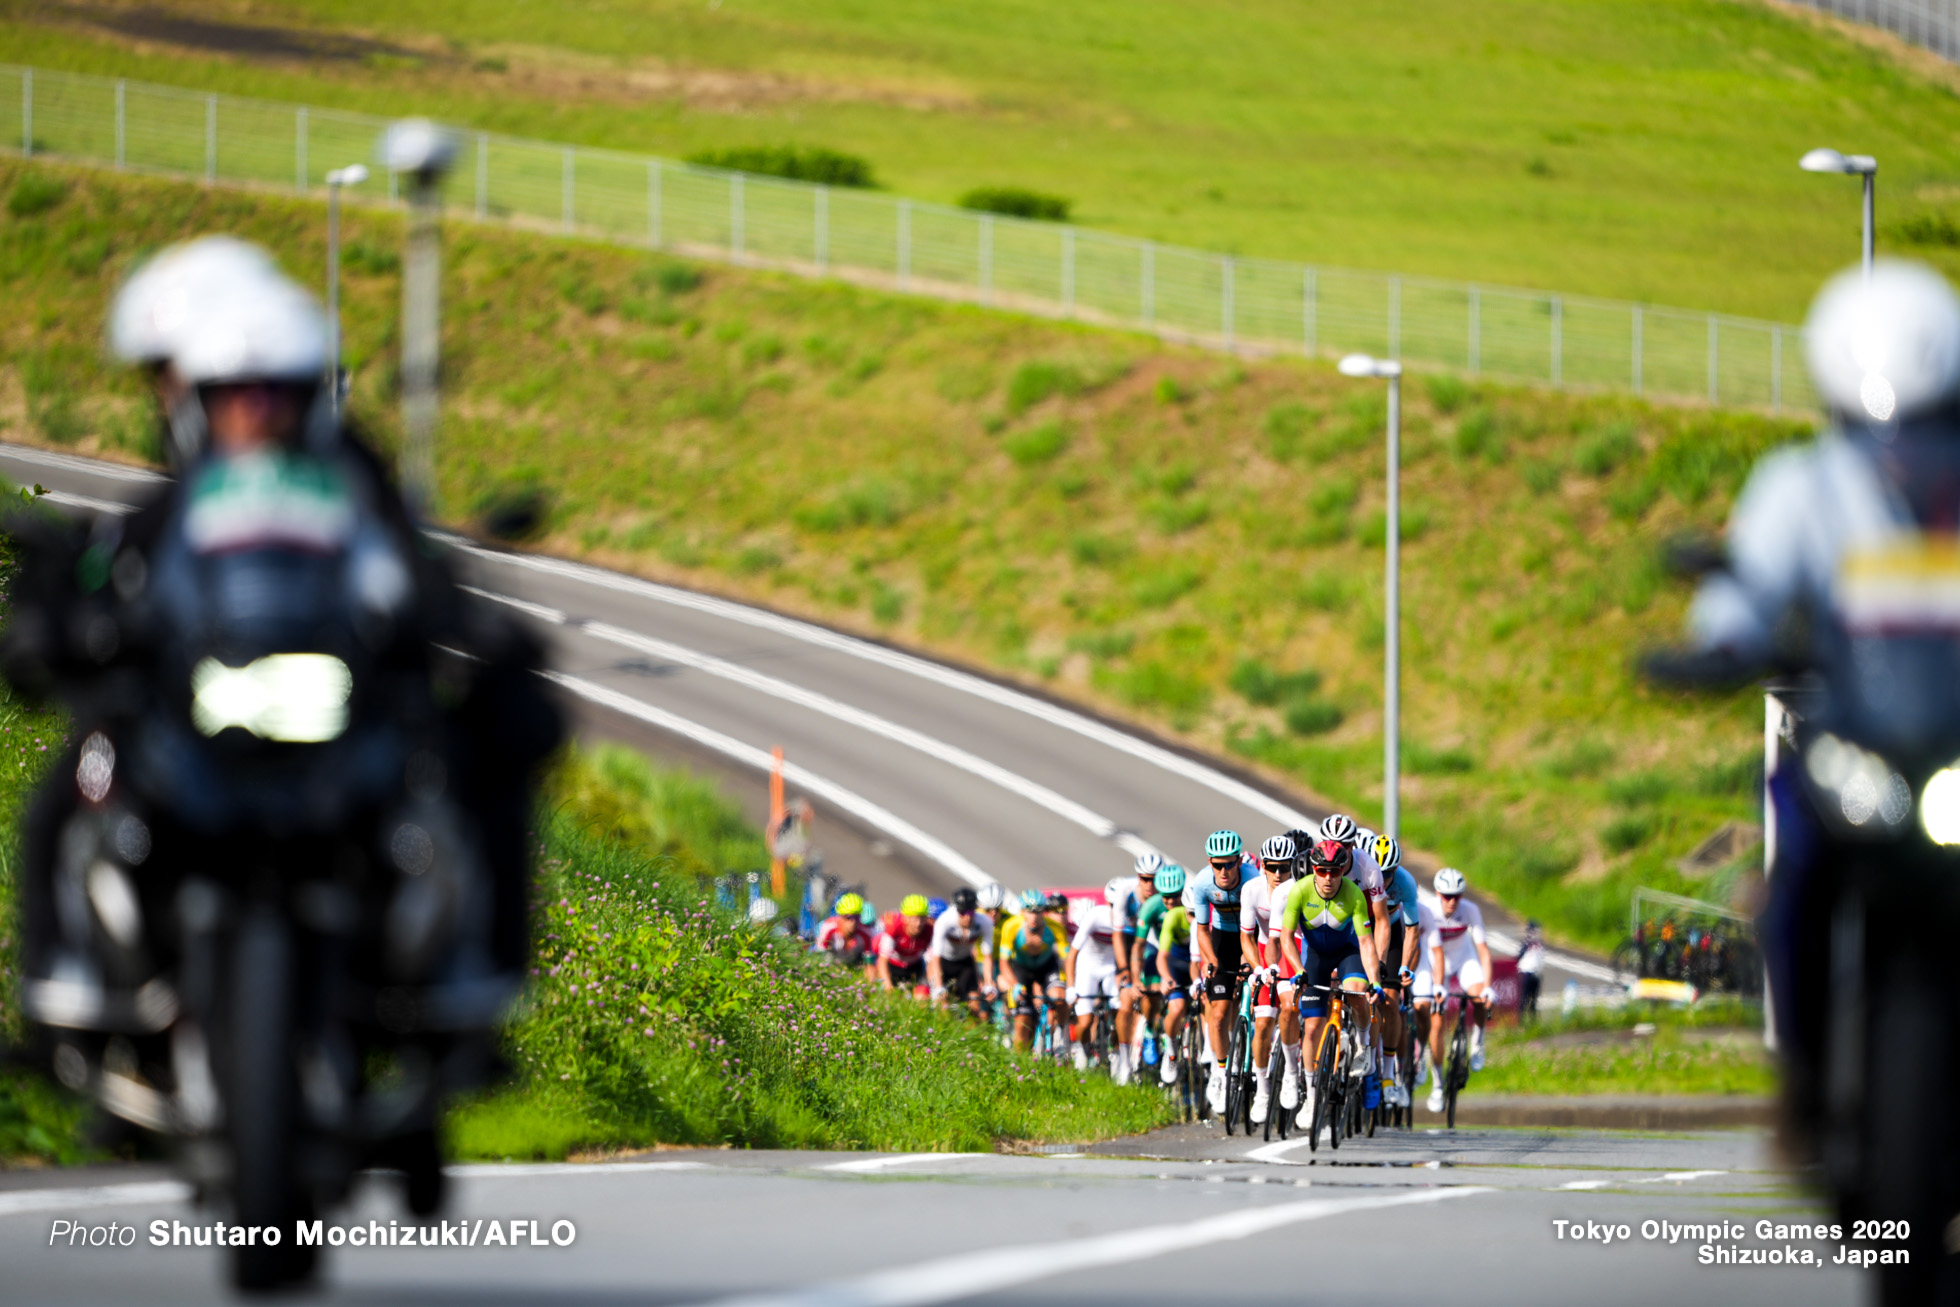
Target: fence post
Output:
[
  {"x": 122, "y": 157},
  {"x": 483, "y": 174},
  {"x": 1068, "y": 272},
  {"x": 1558, "y": 340},
  {"x": 1776, "y": 369},
  {"x": 27, "y": 113},
  {"x": 568, "y": 183},
  {"x": 1310, "y": 308},
  {"x": 1395, "y": 317},
  {"x": 1227, "y": 310},
  {"x": 1476, "y": 330},
  {"x": 987, "y": 256},
  {"x": 1639, "y": 325},
  {"x": 820, "y": 237},
  {"x": 210, "y": 138},
  {"x": 1714, "y": 386},
  {"x": 299, "y": 148},
  {"x": 905, "y": 244},
  {"x": 737, "y": 216},
  {"x": 1148, "y": 288}
]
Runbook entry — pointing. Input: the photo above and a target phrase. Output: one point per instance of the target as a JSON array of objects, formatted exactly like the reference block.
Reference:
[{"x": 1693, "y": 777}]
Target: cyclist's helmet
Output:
[
  {"x": 1331, "y": 855},
  {"x": 1223, "y": 844},
  {"x": 1057, "y": 901},
  {"x": 1450, "y": 881},
  {"x": 1363, "y": 838},
  {"x": 870, "y": 914},
  {"x": 1302, "y": 841},
  {"x": 1033, "y": 900},
  {"x": 1338, "y": 827},
  {"x": 1114, "y": 891},
  {"x": 935, "y": 907},
  {"x": 965, "y": 900},
  {"x": 763, "y": 911},
  {"x": 1170, "y": 880},
  {"x": 850, "y": 905},
  {"x": 991, "y": 896},
  {"x": 1148, "y": 863},
  {"x": 913, "y": 905},
  {"x": 1277, "y": 848},
  {"x": 1388, "y": 854}
]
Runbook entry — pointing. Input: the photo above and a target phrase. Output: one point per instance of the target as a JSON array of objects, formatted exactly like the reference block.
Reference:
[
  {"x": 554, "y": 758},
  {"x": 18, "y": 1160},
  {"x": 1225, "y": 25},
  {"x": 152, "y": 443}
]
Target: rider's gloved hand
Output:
[
  {"x": 1408, "y": 976},
  {"x": 1068, "y": 995},
  {"x": 938, "y": 992}
]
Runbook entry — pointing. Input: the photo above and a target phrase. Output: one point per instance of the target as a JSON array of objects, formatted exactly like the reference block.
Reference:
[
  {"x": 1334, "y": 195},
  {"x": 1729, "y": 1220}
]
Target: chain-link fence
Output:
[
  {"x": 1048, "y": 268},
  {"x": 1934, "y": 24}
]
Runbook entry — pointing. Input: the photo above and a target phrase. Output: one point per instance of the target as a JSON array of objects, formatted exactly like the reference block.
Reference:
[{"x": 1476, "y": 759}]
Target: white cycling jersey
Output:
[
  {"x": 953, "y": 941},
  {"x": 1457, "y": 934},
  {"x": 1260, "y": 906},
  {"x": 1096, "y": 938},
  {"x": 1367, "y": 873}
]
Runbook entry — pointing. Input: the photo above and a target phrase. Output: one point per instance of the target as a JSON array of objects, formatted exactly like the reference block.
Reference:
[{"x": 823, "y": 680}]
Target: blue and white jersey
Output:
[
  {"x": 1215, "y": 907},
  {"x": 1399, "y": 894}
]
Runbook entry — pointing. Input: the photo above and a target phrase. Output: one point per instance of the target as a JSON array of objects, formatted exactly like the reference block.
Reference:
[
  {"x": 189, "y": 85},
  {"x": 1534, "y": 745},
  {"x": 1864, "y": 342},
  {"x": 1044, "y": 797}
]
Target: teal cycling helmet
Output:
[
  {"x": 1033, "y": 900},
  {"x": 1170, "y": 880},
  {"x": 1223, "y": 844}
]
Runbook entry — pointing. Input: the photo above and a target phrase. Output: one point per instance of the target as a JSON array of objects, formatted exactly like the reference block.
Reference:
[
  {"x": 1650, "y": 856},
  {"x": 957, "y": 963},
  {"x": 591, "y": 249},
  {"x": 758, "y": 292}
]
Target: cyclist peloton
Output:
[
  {"x": 1090, "y": 970},
  {"x": 842, "y": 935},
  {"x": 1215, "y": 926},
  {"x": 903, "y": 944},
  {"x": 1135, "y": 961},
  {"x": 953, "y": 970},
  {"x": 1030, "y": 960},
  {"x": 1323, "y": 937},
  {"x": 1274, "y": 1001},
  {"x": 1454, "y": 951},
  {"x": 1398, "y": 960},
  {"x": 1165, "y": 924}
]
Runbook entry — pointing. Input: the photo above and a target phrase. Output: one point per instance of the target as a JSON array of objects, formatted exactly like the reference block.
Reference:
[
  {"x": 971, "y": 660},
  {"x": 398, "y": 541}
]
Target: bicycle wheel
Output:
[
  {"x": 1337, "y": 1089},
  {"x": 1458, "y": 1073},
  {"x": 1237, "y": 1111},
  {"x": 1323, "y": 1091}
]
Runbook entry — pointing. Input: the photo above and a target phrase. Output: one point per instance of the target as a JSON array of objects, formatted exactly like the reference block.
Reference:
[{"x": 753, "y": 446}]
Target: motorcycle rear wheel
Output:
[{"x": 262, "y": 1106}]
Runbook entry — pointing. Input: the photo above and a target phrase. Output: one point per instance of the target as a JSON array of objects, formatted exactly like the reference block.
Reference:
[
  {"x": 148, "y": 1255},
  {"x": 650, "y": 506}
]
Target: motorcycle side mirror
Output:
[{"x": 1690, "y": 557}]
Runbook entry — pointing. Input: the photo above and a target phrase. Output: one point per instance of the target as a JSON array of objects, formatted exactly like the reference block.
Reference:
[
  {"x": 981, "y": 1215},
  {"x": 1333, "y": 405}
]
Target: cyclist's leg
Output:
[
  {"x": 1360, "y": 1015},
  {"x": 1471, "y": 977},
  {"x": 1265, "y": 1023},
  {"x": 1289, "y": 1045}
]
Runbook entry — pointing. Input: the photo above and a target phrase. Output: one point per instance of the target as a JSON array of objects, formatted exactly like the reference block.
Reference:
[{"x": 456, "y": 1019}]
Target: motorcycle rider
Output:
[{"x": 1842, "y": 565}]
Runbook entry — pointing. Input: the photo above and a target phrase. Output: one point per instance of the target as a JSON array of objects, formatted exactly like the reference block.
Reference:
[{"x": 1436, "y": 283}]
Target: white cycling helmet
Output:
[
  {"x": 1114, "y": 891},
  {"x": 1887, "y": 348},
  {"x": 1450, "y": 881},
  {"x": 763, "y": 911},
  {"x": 271, "y": 331},
  {"x": 1339, "y": 826},
  {"x": 167, "y": 293},
  {"x": 1148, "y": 863},
  {"x": 1277, "y": 848},
  {"x": 991, "y": 896},
  {"x": 1363, "y": 838}
]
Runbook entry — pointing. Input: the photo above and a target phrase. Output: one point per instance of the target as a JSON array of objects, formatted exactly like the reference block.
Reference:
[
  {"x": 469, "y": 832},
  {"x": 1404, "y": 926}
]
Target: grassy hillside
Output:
[
  {"x": 1639, "y": 148},
  {"x": 1189, "y": 541}
]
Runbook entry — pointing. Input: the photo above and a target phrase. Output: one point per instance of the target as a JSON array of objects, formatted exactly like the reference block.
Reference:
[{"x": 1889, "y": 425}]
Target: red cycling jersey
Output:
[
  {"x": 844, "y": 938},
  {"x": 900, "y": 944}
]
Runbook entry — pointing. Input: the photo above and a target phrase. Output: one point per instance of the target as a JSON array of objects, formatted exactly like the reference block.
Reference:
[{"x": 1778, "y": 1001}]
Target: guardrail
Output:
[
  {"x": 1208, "y": 299},
  {"x": 1933, "y": 24}
]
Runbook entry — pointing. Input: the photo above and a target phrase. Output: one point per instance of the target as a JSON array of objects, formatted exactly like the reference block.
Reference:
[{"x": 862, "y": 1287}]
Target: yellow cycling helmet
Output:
[
  {"x": 850, "y": 905},
  {"x": 1388, "y": 854},
  {"x": 913, "y": 905}
]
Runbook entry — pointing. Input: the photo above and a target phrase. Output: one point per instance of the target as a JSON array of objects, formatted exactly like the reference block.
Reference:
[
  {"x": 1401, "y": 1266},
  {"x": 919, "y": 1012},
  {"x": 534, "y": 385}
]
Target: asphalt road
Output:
[
  {"x": 1181, "y": 1216},
  {"x": 924, "y": 776}
]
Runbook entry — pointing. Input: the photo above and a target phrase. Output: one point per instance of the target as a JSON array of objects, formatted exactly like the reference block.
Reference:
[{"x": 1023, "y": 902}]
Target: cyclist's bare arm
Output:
[
  {"x": 1289, "y": 953},
  {"x": 1378, "y": 909},
  {"x": 1370, "y": 965}
]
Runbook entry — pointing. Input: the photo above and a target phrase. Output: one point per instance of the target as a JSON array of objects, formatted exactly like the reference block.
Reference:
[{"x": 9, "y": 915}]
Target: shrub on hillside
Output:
[
  {"x": 1017, "y": 203},
  {"x": 803, "y": 163},
  {"x": 1036, "y": 445},
  {"x": 34, "y": 194}
]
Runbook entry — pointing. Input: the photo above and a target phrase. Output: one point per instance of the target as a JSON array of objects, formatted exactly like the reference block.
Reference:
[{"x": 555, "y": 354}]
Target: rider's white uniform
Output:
[
  {"x": 1095, "y": 963},
  {"x": 953, "y": 941},
  {"x": 1260, "y": 909},
  {"x": 1458, "y": 936},
  {"x": 1367, "y": 873}
]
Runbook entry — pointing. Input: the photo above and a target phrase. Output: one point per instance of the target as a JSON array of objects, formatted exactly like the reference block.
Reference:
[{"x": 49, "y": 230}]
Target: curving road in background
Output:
[{"x": 925, "y": 776}]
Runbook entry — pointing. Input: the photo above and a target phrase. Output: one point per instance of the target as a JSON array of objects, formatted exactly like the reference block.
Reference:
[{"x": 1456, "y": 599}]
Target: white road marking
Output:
[
  {"x": 1013, "y": 782},
  {"x": 969, "y": 1275},
  {"x": 886, "y": 1163},
  {"x": 89, "y": 466},
  {"x": 849, "y": 800},
  {"x": 1275, "y": 1154},
  {"x": 87, "y": 501},
  {"x": 472, "y": 1170},
  {"x": 1679, "y": 1176},
  {"x": 1585, "y": 1184},
  {"x": 107, "y": 1195}
]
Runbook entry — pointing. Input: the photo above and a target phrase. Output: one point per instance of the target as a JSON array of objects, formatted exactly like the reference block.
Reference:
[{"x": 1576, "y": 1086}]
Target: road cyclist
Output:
[
  {"x": 1274, "y": 1010},
  {"x": 902, "y": 946},
  {"x": 1399, "y": 957},
  {"x": 1165, "y": 925},
  {"x": 1215, "y": 927},
  {"x": 1136, "y": 958},
  {"x": 958, "y": 961},
  {"x": 1324, "y": 940},
  {"x": 1090, "y": 971},
  {"x": 842, "y": 935},
  {"x": 1456, "y": 963},
  {"x": 1028, "y": 956}
]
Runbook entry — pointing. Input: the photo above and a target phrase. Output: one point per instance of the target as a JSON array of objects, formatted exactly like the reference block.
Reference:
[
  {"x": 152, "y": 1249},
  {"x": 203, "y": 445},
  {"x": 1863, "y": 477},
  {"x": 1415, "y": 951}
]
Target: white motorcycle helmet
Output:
[
  {"x": 1886, "y": 349},
  {"x": 270, "y": 331},
  {"x": 164, "y": 296}
]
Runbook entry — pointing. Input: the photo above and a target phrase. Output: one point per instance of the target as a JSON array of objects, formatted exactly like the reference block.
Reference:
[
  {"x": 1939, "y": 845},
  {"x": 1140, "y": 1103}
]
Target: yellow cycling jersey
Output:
[{"x": 1020, "y": 942}]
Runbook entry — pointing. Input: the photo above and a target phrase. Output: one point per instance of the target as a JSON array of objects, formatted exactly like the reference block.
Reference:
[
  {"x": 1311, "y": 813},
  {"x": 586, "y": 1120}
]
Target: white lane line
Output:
[
  {"x": 969, "y": 1275},
  {"x": 1013, "y": 782},
  {"x": 849, "y": 800},
  {"x": 72, "y": 463},
  {"x": 1585, "y": 1184},
  {"x": 89, "y": 502},
  {"x": 540, "y": 611},
  {"x": 1275, "y": 1154},
  {"x": 912, "y": 665},
  {"x": 474, "y": 1169},
  {"x": 1679, "y": 1176},
  {"x": 107, "y": 1195},
  {"x": 886, "y": 1163}
]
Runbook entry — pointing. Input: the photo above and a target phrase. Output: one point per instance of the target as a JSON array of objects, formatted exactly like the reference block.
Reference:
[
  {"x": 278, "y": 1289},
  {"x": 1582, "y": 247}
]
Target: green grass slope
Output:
[
  {"x": 1637, "y": 148},
  {"x": 1188, "y": 541}
]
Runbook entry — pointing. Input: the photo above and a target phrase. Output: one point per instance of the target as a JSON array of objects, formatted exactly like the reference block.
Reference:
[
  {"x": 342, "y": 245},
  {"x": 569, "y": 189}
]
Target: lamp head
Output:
[
  {"x": 418, "y": 147},
  {"x": 352, "y": 175}
]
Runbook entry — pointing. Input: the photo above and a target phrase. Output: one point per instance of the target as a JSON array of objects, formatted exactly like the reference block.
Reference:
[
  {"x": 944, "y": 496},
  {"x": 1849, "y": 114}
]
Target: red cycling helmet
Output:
[{"x": 1331, "y": 855}]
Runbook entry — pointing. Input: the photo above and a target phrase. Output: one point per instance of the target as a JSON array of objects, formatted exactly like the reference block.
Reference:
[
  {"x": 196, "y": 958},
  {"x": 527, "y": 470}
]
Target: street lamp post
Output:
[
  {"x": 1860, "y": 165},
  {"x": 1361, "y": 365},
  {"x": 422, "y": 152},
  {"x": 352, "y": 175}
]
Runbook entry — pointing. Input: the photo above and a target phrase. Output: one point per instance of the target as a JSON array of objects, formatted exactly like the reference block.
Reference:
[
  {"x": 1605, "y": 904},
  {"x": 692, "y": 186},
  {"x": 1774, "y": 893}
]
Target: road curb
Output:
[{"x": 1610, "y": 1111}]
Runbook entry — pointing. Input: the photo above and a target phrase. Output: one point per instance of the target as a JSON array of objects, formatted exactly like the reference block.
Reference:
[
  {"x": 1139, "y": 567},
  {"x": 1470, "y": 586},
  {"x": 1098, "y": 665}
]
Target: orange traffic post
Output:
[{"x": 776, "y": 814}]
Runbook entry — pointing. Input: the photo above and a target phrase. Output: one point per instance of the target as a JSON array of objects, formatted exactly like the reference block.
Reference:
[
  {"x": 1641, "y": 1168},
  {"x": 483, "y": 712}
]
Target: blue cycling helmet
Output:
[
  {"x": 1170, "y": 880},
  {"x": 870, "y": 914},
  {"x": 935, "y": 908},
  {"x": 1223, "y": 844}
]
